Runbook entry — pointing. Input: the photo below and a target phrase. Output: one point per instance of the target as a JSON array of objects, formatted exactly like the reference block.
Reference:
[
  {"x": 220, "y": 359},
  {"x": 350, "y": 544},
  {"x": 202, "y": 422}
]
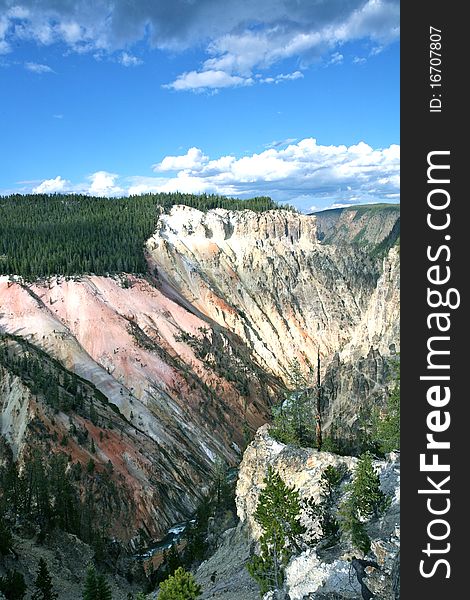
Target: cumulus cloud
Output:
[
  {"x": 192, "y": 160},
  {"x": 240, "y": 38},
  {"x": 305, "y": 174},
  {"x": 104, "y": 184},
  {"x": 49, "y": 186},
  {"x": 38, "y": 68}
]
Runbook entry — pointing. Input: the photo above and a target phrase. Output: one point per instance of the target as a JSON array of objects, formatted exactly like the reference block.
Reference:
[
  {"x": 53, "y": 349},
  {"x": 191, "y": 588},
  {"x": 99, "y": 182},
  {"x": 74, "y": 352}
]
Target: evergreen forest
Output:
[{"x": 42, "y": 235}]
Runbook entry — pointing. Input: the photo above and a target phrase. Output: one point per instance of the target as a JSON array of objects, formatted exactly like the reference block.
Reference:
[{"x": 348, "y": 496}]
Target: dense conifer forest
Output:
[{"x": 43, "y": 235}]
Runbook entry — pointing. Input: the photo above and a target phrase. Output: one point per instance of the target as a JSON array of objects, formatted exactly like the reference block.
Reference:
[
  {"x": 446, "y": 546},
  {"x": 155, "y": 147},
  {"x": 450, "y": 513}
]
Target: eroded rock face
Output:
[
  {"x": 300, "y": 468},
  {"x": 380, "y": 323},
  {"x": 189, "y": 365},
  {"x": 15, "y": 410},
  {"x": 267, "y": 278},
  {"x": 310, "y": 575},
  {"x": 170, "y": 395},
  {"x": 366, "y": 226}
]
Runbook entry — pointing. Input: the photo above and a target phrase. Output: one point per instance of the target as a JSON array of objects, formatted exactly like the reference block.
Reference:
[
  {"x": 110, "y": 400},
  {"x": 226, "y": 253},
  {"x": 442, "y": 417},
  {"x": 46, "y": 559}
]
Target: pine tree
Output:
[
  {"x": 277, "y": 512},
  {"x": 368, "y": 498},
  {"x": 294, "y": 421},
  {"x": 13, "y": 586},
  {"x": 103, "y": 590},
  {"x": 324, "y": 510},
  {"x": 180, "y": 586},
  {"x": 353, "y": 527},
  {"x": 43, "y": 583},
  {"x": 365, "y": 499},
  {"x": 90, "y": 591},
  {"x": 173, "y": 559}
]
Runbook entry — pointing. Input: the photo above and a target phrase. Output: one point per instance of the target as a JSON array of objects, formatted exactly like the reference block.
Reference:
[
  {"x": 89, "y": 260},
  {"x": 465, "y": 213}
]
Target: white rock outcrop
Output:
[{"x": 316, "y": 574}]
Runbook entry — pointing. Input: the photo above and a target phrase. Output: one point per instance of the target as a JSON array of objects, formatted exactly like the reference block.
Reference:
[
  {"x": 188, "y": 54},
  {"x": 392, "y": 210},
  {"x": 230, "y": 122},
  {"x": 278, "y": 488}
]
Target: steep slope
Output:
[
  {"x": 375, "y": 226},
  {"x": 174, "y": 406},
  {"x": 320, "y": 571},
  {"x": 288, "y": 295},
  {"x": 179, "y": 368},
  {"x": 267, "y": 278}
]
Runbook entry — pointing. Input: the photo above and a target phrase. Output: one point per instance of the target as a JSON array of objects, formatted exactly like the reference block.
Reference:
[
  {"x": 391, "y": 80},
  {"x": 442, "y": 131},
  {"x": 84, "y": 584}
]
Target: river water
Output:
[{"x": 175, "y": 533}]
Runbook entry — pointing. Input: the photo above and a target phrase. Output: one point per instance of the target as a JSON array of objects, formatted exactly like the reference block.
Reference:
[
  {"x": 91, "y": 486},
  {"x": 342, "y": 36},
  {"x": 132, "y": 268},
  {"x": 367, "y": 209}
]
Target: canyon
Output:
[{"x": 180, "y": 367}]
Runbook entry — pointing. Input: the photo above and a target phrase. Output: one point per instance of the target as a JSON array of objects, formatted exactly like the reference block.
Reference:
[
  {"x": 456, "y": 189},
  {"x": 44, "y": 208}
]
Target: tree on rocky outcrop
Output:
[
  {"x": 352, "y": 527},
  {"x": 13, "y": 586},
  {"x": 89, "y": 592},
  {"x": 43, "y": 584},
  {"x": 173, "y": 559},
  {"x": 368, "y": 498},
  {"x": 323, "y": 511},
  {"x": 318, "y": 421},
  {"x": 278, "y": 513},
  {"x": 103, "y": 589},
  {"x": 96, "y": 586},
  {"x": 220, "y": 470},
  {"x": 364, "y": 500},
  {"x": 180, "y": 586}
]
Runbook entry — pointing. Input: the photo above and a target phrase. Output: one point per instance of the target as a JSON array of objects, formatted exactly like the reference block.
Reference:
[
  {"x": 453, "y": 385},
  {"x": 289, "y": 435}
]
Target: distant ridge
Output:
[{"x": 375, "y": 227}]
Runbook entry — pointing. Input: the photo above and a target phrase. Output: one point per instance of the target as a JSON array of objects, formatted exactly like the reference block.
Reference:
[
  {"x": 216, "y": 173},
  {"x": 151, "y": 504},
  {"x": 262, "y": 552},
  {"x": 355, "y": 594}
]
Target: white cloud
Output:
[
  {"x": 239, "y": 37},
  {"x": 193, "y": 159},
  {"x": 49, "y": 186},
  {"x": 38, "y": 68},
  {"x": 359, "y": 60},
  {"x": 238, "y": 54},
  {"x": 4, "y": 47},
  {"x": 211, "y": 79},
  {"x": 306, "y": 174},
  {"x": 277, "y": 143},
  {"x": 303, "y": 173},
  {"x": 128, "y": 60},
  {"x": 281, "y": 77},
  {"x": 104, "y": 184},
  {"x": 336, "y": 59}
]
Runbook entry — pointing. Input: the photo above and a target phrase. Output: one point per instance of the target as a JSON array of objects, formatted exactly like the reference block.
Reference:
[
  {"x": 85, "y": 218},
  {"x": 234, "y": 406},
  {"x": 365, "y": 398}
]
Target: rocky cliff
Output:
[
  {"x": 182, "y": 366},
  {"x": 371, "y": 225},
  {"x": 169, "y": 399},
  {"x": 269, "y": 279},
  {"x": 315, "y": 573}
]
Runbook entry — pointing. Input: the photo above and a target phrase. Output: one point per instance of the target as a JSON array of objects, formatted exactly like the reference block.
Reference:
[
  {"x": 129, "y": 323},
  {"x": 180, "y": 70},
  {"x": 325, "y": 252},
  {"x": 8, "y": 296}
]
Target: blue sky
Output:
[{"x": 297, "y": 100}]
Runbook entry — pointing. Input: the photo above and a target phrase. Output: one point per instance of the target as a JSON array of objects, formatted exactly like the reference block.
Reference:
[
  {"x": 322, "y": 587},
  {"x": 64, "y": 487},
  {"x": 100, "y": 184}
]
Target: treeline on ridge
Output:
[{"x": 69, "y": 234}]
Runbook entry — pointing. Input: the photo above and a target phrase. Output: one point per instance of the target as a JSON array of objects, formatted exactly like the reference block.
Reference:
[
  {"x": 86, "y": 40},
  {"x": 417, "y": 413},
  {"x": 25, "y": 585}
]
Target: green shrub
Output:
[{"x": 180, "y": 586}]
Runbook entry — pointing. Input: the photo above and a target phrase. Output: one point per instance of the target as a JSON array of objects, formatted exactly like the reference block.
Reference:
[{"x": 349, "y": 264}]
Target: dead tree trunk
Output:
[{"x": 318, "y": 431}]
